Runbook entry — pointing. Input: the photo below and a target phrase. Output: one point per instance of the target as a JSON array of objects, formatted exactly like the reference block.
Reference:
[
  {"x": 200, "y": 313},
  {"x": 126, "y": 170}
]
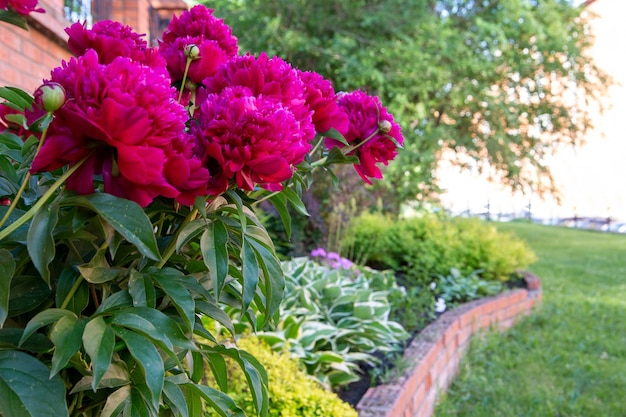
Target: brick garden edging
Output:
[{"x": 435, "y": 352}]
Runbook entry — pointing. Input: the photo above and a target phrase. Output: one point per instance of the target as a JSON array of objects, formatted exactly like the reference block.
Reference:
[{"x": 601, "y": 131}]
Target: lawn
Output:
[{"x": 569, "y": 358}]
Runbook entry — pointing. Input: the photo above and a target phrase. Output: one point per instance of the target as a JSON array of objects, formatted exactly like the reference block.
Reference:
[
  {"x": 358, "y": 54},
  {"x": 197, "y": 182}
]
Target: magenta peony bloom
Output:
[
  {"x": 124, "y": 117},
  {"x": 251, "y": 139},
  {"x": 320, "y": 97},
  {"x": 111, "y": 40},
  {"x": 371, "y": 127},
  {"x": 268, "y": 77},
  {"x": 23, "y": 7},
  {"x": 211, "y": 35}
]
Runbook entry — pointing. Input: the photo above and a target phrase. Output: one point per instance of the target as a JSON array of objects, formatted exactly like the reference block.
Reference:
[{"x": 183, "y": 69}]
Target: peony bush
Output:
[{"x": 128, "y": 182}]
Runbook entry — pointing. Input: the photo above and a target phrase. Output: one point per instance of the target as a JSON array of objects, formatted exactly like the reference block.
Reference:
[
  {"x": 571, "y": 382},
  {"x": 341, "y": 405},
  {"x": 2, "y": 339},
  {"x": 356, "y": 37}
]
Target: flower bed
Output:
[{"x": 436, "y": 352}]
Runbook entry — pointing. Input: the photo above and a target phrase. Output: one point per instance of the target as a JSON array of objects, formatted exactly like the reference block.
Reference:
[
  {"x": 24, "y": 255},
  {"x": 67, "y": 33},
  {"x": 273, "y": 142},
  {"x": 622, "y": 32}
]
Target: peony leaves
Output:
[
  {"x": 26, "y": 389},
  {"x": 126, "y": 217},
  {"x": 7, "y": 269}
]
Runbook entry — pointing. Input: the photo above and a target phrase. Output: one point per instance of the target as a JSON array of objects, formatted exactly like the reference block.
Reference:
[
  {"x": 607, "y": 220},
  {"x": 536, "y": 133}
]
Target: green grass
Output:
[{"x": 569, "y": 358}]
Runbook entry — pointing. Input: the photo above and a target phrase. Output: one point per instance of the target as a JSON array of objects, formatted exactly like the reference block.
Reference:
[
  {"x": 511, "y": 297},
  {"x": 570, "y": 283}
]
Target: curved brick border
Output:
[{"x": 435, "y": 353}]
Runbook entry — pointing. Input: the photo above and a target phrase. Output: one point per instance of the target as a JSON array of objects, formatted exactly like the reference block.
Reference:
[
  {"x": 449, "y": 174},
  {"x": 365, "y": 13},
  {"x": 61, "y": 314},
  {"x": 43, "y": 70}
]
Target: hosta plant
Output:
[
  {"x": 335, "y": 320},
  {"x": 127, "y": 186}
]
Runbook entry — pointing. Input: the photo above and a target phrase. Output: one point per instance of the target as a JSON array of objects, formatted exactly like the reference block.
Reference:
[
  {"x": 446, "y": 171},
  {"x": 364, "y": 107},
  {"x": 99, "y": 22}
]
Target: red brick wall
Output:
[
  {"x": 436, "y": 352},
  {"x": 26, "y": 57}
]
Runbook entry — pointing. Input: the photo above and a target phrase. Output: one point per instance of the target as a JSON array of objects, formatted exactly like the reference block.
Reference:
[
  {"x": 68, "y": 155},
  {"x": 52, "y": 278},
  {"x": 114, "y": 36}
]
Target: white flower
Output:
[
  {"x": 433, "y": 285},
  {"x": 440, "y": 306}
]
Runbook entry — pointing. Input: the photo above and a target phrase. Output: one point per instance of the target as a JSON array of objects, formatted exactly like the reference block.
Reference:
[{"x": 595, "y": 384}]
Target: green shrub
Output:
[
  {"x": 421, "y": 248},
  {"x": 291, "y": 392}
]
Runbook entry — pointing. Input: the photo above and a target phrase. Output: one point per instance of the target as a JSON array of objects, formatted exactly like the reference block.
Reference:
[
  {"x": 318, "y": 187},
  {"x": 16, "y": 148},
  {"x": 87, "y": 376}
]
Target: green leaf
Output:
[
  {"x": 166, "y": 325},
  {"x": 27, "y": 293},
  {"x": 143, "y": 327},
  {"x": 335, "y": 156},
  {"x": 220, "y": 402},
  {"x": 97, "y": 270},
  {"x": 295, "y": 201},
  {"x": 114, "y": 377},
  {"x": 181, "y": 298},
  {"x": 14, "y": 95},
  {"x": 279, "y": 201},
  {"x": 197, "y": 367},
  {"x": 41, "y": 244},
  {"x": 67, "y": 336},
  {"x": 210, "y": 309},
  {"x": 149, "y": 360},
  {"x": 250, "y": 273},
  {"x": 254, "y": 372},
  {"x": 117, "y": 300},
  {"x": 189, "y": 232},
  {"x": 37, "y": 343},
  {"x": 239, "y": 204},
  {"x": 7, "y": 269},
  {"x": 26, "y": 389},
  {"x": 274, "y": 282},
  {"x": 80, "y": 298},
  {"x": 99, "y": 341},
  {"x": 126, "y": 216},
  {"x": 335, "y": 134},
  {"x": 7, "y": 187},
  {"x": 215, "y": 253},
  {"x": 175, "y": 398},
  {"x": 141, "y": 289},
  {"x": 218, "y": 367},
  {"x": 116, "y": 402},
  {"x": 46, "y": 317}
]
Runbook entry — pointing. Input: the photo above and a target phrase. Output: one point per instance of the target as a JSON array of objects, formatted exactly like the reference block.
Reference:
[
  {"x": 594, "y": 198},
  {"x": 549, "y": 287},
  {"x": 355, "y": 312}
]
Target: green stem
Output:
[
  {"x": 182, "y": 84},
  {"x": 171, "y": 247},
  {"x": 267, "y": 197},
  {"x": 72, "y": 291},
  {"x": 42, "y": 200}
]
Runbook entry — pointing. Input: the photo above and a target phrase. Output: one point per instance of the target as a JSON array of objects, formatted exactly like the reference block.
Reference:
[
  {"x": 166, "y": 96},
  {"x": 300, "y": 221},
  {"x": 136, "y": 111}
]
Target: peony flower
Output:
[
  {"x": 321, "y": 99},
  {"x": 247, "y": 138},
  {"x": 211, "y": 35},
  {"x": 124, "y": 119},
  {"x": 372, "y": 131},
  {"x": 111, "y": 40},
  {"x": 268, "y": 77},
  {"x": 23, "y": 7}
]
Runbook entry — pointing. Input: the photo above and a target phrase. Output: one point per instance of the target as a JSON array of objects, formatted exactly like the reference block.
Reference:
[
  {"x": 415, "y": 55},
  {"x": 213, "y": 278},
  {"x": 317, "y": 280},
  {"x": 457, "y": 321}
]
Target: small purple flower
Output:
[
  {"x": 333, "y": 256},
  {"x": 321, "y": 252}
]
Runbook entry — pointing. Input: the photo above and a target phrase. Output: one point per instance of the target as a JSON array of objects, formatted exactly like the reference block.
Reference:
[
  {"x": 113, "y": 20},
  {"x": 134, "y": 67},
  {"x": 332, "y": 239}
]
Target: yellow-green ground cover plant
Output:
[{"x": 292, "y": 392}]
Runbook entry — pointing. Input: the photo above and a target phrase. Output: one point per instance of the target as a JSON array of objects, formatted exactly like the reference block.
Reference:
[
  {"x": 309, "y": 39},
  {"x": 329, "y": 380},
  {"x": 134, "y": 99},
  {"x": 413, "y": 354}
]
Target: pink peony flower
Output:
[
  {"x": 124, "y": 118},
  {"x": 251, "y": 139},
  {"x": 371, "y": 129},
  {"x": 268, "y": 77},
  {"x": 211, "y": 35},
  {"x": 23, "y": 7},
  {"x": 111, "y": 40},
  {"x": 320, "y": 97}
]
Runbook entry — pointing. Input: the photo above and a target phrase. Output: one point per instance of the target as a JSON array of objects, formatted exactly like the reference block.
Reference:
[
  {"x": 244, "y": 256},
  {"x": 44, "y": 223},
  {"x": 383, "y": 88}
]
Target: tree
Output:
[{"x": 498, "y": 84}]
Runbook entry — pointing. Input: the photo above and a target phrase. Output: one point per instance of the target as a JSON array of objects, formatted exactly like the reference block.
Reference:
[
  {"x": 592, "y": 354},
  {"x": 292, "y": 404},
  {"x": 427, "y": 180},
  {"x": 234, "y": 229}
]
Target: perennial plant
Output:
[{"x": 128, "y": 182}]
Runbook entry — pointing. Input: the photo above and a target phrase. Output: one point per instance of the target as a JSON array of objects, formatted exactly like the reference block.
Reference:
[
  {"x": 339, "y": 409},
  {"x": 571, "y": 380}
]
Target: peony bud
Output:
[
  {"x": 50, "y": 96},
  {"x": 192, "y": 51},
  {"x": 384, "y": 126}
]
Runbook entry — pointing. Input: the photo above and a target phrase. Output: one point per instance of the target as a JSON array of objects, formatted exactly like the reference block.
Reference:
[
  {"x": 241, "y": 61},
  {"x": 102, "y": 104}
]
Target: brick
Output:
[
  {"x": 418, "y": 398},
  {"x": 450, "y": 336}
]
